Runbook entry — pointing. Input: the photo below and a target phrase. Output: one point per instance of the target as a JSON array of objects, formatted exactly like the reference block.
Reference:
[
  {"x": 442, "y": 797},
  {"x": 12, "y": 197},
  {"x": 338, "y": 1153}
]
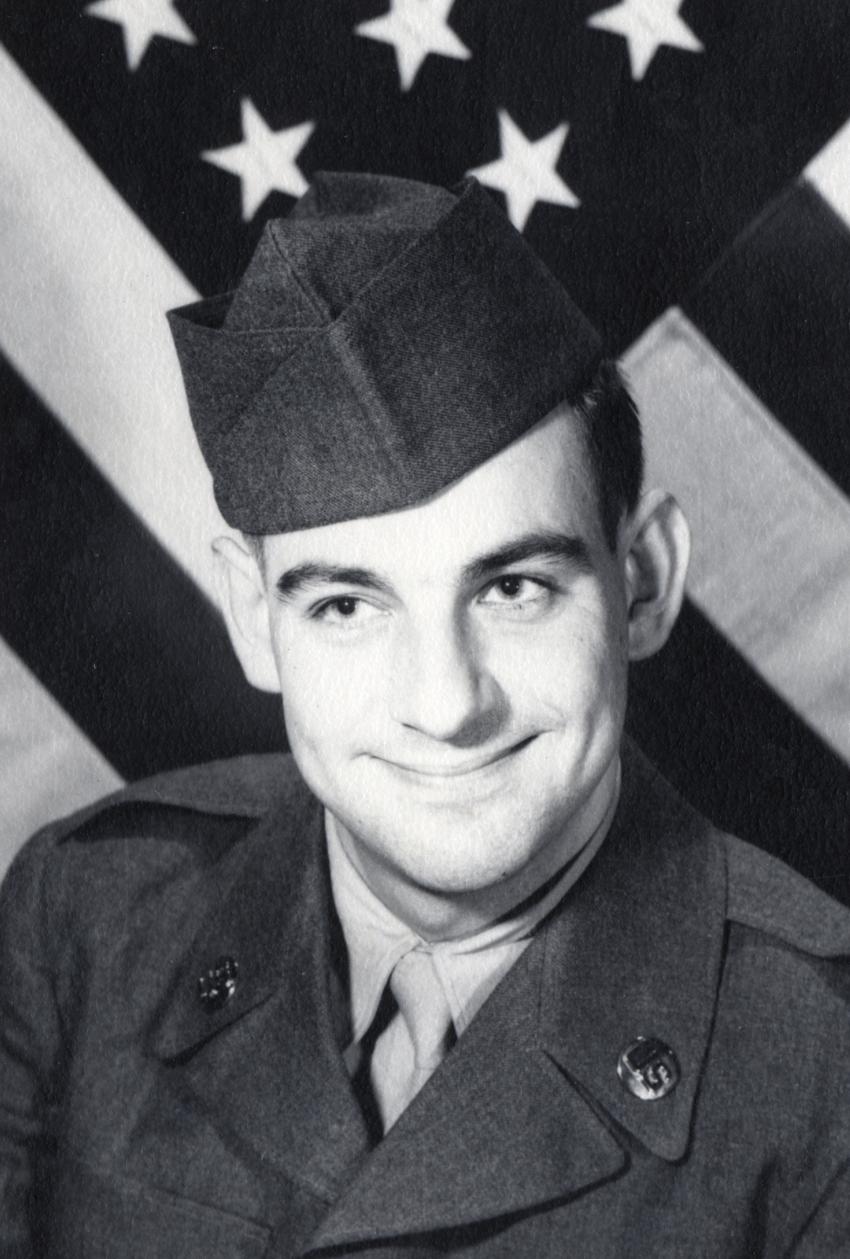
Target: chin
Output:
[{"x": 456, "y": 854}]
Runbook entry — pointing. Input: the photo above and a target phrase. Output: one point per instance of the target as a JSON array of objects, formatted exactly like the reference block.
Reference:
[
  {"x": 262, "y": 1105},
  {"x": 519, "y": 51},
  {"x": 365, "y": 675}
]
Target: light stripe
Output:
[
  {"x": 771, "y": 557},
  {"x": 829, "y": 172},
  {"x": 102, "y": 615},
  {"x": 83, "y": 288},
  {"x": 47, "y": 766}
]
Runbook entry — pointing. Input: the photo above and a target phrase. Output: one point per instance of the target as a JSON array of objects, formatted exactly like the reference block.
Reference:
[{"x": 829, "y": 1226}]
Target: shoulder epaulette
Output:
[
  {"x": 241, "y": 786},
  {"x": 769, "y": 896}
]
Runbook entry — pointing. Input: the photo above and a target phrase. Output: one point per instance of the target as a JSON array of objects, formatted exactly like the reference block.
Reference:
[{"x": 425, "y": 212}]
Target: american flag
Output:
[{"x": 682, "y": 165}]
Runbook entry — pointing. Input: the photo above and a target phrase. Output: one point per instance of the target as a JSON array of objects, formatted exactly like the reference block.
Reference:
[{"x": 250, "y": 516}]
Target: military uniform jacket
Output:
[{"x": 137, "y": 1122}]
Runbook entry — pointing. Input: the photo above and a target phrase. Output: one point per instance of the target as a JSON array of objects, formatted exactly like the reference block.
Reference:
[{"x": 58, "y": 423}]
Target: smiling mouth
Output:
[{"x": 472, "y": 766}]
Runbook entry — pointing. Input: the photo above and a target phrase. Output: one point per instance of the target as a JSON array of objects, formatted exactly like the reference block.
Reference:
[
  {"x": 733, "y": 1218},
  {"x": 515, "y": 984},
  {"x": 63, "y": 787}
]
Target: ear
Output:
[
  {"x": 242, "y": 597},
  {"x": 658, "y": 547}
]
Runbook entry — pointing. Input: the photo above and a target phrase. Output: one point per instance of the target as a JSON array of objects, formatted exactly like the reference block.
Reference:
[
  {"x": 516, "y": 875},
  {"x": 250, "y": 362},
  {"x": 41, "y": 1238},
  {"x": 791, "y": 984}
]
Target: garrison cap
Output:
[{"x": 386, "y": 338}]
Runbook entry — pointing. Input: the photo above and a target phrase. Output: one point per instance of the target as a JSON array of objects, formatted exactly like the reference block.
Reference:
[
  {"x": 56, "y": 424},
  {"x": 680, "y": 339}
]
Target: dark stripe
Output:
[
  {"x": 777, "y": 307},
  {"x": 103, "y": 617},
  {"x": 733, "y": 748}
]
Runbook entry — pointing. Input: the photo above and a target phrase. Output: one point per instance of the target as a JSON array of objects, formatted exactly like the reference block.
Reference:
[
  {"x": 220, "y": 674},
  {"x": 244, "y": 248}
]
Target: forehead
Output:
[{"x": 541, "y": 482}]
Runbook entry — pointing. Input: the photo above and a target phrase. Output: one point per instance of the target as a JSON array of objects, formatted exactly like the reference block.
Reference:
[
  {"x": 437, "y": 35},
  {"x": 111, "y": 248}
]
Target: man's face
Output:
[{"x": 454, "y": 675}]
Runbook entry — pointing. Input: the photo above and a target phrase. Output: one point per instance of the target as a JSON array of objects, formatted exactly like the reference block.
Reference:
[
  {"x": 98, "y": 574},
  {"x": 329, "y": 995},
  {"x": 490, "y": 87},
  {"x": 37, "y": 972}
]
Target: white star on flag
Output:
[
  {"x": 525, "y": 172},
  {"x": 141, "y": 21},
  {"x": 415, "y": 28},
  {"x": 264, "y": 159},
  {"x": 646, "y": 25}
]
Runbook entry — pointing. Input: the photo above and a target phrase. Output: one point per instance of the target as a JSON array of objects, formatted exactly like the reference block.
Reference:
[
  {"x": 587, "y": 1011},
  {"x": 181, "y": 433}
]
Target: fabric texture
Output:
[
  {"x": 387, "y": 337},
  {"x": 138, "y": 1121}
]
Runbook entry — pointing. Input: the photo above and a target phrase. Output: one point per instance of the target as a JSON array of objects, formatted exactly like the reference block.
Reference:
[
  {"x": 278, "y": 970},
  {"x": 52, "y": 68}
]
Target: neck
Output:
[{"x": 436, "y": 915}]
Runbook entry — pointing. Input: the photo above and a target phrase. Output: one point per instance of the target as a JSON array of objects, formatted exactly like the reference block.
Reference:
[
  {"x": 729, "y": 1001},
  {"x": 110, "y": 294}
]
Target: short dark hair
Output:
[
  {"x": 611, "y": 424},
  {"x": 615, "y": 448},
  {"x": 254, "y": 542}
]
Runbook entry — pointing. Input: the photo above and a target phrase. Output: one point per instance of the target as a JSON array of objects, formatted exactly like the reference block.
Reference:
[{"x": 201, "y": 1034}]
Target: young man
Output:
[{"x": 463, "y": 975}]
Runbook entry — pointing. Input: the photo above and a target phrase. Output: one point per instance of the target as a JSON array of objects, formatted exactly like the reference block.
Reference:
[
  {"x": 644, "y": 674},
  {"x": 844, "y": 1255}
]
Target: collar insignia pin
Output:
[
  {"x": 648, "y": 1068},
  {"x": 218, "y": 985}
]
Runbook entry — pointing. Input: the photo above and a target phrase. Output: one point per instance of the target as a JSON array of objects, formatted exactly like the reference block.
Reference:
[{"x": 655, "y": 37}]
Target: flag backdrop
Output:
[{"x": 682, "y": 165}]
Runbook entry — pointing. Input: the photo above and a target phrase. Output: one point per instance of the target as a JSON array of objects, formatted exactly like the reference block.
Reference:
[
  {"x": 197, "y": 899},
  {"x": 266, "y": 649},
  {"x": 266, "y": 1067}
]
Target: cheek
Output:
[
  {"x": 327, "y": 694},
  {"x": 577, "y": 668}
]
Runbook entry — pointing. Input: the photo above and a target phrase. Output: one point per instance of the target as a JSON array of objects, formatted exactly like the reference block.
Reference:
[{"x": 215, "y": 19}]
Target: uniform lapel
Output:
[
  {"x": 528, "y": 1108},
  {"x": 497, "y": 1129},
  {"x": 639, "y": 954},
  {"x": 266, "y": 1066}
]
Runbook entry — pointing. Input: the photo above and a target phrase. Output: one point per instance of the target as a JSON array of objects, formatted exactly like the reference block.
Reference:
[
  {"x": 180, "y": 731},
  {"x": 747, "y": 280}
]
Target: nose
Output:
[{"x": 442, "y": 687}]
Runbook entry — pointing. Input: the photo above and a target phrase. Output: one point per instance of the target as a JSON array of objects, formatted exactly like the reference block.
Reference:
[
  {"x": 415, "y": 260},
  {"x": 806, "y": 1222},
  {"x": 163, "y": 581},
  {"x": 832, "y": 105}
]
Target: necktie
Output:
[{"x": 417, "y": 1039}]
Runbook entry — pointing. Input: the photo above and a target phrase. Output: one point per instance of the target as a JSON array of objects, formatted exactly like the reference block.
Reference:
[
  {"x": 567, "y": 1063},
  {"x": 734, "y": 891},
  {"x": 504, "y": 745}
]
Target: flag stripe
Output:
[
  {"x": 83, "y": 287},
  {"x": 777, "y": 307},
  {"x": 829, "y": 173},
  {"x": 47, "y": 765},
  {"x": 771, "y": 532},
  {"x": 737, "y": 752},
  {"x": 124, "y": 641}
]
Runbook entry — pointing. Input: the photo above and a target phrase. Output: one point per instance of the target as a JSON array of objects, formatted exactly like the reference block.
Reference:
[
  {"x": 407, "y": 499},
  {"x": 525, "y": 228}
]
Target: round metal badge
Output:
[{"x": 648, "y": 1068}]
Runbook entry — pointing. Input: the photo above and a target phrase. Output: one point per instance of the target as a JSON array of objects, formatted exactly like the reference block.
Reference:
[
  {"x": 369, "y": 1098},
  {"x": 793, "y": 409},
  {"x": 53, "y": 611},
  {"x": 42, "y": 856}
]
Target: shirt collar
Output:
[{"x": 469, "y": 968}]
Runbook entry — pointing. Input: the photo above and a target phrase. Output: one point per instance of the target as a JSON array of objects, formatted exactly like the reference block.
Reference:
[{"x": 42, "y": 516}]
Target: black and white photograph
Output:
[{"x": 425, "y": 629}]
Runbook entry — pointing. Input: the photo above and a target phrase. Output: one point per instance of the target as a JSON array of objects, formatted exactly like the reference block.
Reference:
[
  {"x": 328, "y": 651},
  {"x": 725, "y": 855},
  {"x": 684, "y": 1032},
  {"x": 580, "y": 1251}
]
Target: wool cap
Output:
[{"x": 386, "y": 338}]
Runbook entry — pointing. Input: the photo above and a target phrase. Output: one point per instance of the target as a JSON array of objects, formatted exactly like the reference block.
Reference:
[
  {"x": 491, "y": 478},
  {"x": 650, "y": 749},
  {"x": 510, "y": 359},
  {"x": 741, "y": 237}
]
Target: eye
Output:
[
  {"x": 515, "y": 590},
  {"x": 346, "y": 611}
]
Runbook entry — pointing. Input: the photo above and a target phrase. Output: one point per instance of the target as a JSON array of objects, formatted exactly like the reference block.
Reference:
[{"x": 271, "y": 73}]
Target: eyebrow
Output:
[
  {"x": 541, "y": 545},
  {"x": 294, "y": 580}
]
